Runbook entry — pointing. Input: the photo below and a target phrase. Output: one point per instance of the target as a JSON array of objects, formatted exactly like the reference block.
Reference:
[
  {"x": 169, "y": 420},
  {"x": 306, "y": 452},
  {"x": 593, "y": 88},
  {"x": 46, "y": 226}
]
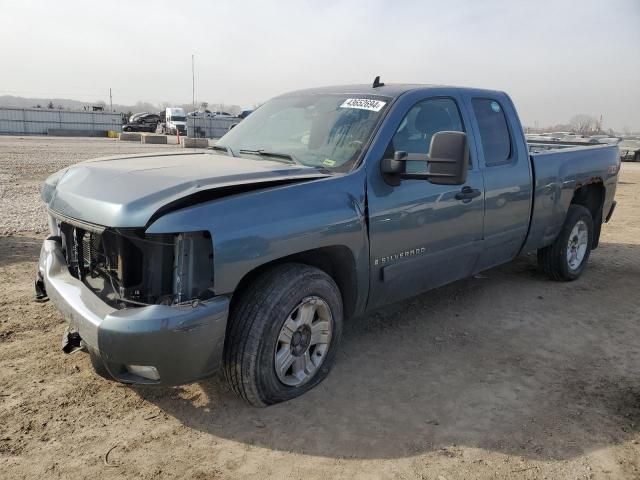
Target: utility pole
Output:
[
  {"x": 600, "y": 124},
  {"x": 193, "y": 81},
  {"x": 110, "y": 100}
]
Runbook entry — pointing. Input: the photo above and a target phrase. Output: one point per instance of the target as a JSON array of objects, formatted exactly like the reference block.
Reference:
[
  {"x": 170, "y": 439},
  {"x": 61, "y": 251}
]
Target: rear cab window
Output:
[{"x": 497, "y": 144}]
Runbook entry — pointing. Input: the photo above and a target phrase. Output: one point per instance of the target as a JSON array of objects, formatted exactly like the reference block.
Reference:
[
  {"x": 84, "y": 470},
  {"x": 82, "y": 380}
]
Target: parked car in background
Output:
[
  {"x": 200, "y": 113},
  {"x": 629, "y": 150},
  {"x": 609, "y": 140},
  {"x": 135, "y": 116},
  {"x": 579, "y": 139},
  {"x": 208, "y": 113},
  {"x": 142, "y": 122}
]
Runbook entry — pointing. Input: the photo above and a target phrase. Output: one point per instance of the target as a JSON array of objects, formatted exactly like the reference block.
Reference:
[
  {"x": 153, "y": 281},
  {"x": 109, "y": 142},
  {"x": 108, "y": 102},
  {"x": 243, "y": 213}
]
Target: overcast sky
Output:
[{"x": 555, "y": 58}]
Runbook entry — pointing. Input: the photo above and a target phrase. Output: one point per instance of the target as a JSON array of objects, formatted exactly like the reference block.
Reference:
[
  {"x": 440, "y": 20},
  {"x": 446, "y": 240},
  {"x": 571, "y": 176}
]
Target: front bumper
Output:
[{"x": 184, "y": 344}]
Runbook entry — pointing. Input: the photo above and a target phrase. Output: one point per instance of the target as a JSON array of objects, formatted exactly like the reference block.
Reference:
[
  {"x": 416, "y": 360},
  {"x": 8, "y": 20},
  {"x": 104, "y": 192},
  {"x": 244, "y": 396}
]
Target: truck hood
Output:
[{"x": 128, "y": 191}]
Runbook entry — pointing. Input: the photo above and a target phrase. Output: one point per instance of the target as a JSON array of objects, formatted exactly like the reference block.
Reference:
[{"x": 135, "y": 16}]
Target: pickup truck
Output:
[{"x": 321, "y": 205}]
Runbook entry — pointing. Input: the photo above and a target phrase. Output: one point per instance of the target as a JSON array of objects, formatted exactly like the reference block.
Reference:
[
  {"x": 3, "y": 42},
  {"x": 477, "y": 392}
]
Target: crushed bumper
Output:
[{"x": 183, "y": 344}]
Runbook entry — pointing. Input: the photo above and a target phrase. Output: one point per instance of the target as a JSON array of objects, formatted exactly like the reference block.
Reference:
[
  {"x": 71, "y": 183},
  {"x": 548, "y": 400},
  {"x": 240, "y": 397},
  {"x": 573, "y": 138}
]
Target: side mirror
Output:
[
  {"x": 447, "y": 162},
  {"x": 448, "y": 158}
]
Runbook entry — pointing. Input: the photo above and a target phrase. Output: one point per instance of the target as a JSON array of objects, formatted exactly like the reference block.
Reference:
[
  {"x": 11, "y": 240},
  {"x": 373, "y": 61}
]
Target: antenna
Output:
[{"x": 377, "y": 83}]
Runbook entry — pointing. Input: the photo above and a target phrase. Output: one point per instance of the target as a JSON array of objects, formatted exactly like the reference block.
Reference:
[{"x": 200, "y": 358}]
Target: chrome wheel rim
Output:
[
  {"x": 303, "y": 342},
  {"x": 577, "y": 245}
]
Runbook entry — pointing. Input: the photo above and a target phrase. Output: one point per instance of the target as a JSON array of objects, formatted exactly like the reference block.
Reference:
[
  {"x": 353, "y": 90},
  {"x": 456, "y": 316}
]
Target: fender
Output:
[{"x": 255, "y": 228}]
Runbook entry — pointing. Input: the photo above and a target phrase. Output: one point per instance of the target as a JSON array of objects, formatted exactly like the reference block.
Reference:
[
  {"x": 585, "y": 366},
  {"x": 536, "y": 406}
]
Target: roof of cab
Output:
[{"x": 387, "y": 90}]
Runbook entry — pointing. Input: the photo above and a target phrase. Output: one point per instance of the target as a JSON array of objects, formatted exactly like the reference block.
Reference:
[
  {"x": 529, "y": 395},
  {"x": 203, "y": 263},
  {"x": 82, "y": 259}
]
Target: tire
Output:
[
  {"x": 636, "y": 157},
  {"x": 256, "y": 326},
  {"x": 555, "y": 259}
]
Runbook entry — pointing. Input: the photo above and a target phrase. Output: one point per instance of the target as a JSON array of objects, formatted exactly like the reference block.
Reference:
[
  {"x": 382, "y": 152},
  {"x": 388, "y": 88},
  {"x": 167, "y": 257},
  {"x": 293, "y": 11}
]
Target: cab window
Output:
[
  {"x": 417, "y": 128},
  {"x": 494, "y": 132}
]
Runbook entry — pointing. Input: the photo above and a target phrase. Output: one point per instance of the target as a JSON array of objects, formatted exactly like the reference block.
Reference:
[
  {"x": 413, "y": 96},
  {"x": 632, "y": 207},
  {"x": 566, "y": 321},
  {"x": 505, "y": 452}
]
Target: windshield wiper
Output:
[
  {"x": 224, "y": 149},
  {"x": 267, "y": 153}
]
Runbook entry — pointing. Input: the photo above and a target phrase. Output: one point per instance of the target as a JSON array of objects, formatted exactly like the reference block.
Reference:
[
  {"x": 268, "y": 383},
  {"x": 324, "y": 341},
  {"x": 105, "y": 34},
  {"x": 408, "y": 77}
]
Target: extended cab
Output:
[{"x": 321, "y": 205}]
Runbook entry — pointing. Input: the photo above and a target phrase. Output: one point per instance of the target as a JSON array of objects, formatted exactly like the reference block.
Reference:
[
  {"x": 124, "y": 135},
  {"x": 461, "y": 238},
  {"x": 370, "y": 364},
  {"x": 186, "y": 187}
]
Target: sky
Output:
[{"x": 555, "y": 58}]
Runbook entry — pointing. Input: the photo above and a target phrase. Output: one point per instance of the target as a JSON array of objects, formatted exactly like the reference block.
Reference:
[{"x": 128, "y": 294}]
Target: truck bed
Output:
[
  {"x": 557, "y": 174},
  {"x": 537, "y": 146}
]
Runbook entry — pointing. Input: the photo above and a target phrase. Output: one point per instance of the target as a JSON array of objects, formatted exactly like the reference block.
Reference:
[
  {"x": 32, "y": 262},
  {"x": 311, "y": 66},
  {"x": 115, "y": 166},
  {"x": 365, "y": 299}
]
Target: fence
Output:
[
  {"x": 38, "y": 121},
  {"x": 209, "y": 127}
]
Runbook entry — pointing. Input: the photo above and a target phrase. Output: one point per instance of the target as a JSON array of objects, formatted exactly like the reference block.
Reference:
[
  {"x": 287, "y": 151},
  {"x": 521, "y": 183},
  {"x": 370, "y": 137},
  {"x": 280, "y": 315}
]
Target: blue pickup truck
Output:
[{"x": 321, "y": 205}]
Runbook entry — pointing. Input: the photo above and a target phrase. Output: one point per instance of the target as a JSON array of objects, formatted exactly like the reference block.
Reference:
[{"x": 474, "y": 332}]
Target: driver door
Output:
[{"x": 423, "y": 235}]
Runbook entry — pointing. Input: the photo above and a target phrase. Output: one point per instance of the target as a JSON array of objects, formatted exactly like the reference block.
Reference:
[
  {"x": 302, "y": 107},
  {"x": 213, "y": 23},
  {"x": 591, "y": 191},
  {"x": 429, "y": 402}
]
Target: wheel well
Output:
[
  {"x": 591, "y": 196},
  {"x": 336, "y": 261}
]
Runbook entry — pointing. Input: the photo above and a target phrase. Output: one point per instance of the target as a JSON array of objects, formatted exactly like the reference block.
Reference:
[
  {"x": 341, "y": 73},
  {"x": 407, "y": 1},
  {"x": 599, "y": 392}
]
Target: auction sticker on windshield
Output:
[{"x": 363, "y": 104}]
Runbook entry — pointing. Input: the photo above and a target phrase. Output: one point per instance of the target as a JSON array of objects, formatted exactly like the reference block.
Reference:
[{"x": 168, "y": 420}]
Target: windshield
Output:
[
  {"x": 175, "y": 118},
  {"x": 318, "y": 130}
]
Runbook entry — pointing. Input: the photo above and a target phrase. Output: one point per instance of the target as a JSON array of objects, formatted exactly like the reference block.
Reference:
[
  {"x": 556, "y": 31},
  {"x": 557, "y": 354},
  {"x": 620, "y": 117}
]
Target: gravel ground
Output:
[
  {"x": 504, "y": 376},
  {"x": 26, "y": 161}
]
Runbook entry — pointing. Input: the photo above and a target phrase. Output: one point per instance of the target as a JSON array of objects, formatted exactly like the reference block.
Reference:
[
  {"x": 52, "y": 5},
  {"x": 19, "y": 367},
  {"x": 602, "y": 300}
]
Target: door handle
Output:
[{"x": 468, "y": 193}]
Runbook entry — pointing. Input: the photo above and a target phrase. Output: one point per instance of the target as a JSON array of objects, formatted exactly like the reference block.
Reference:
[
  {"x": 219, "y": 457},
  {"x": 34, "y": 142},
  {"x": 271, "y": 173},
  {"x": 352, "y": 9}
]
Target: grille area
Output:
[
  {"x": 92, "y": 253},
  {"x": 82, "y": 249},
  {"x": 127, "y": 268}
]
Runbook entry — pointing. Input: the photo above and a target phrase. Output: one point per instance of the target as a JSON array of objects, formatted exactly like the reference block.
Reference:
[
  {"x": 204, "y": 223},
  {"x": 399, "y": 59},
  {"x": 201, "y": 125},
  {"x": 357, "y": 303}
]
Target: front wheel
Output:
[
  {"x": 566, "y": 258},
  {"x": 283, "y": 334}
]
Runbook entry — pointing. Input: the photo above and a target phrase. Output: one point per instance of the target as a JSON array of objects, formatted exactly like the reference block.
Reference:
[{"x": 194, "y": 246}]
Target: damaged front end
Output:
[
  {"x": 143, "y": 305},
  {"x": 127, "y": 268}
]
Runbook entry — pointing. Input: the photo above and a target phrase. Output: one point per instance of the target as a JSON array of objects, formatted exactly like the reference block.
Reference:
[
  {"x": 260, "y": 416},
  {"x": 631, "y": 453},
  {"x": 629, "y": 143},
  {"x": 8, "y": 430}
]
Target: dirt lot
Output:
[{"x": 507, "y": 375}]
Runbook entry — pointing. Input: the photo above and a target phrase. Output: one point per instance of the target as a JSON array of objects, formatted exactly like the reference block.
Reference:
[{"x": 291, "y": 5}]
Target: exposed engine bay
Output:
[{"x": 128, "y": 268}]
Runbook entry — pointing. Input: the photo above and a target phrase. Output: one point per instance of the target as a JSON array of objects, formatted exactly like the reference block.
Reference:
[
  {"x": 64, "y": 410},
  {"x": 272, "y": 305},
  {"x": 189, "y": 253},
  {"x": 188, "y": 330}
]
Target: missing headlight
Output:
[
  {"x": 192, "y": 267},
  {"x": 128, "y": 268}
]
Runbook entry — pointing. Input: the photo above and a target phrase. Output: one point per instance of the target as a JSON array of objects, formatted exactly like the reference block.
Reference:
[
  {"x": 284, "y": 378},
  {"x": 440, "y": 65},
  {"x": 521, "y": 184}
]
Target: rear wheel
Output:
[
  {"x": 566, "y": 258},
  {"x": 283, "y": 334}
]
